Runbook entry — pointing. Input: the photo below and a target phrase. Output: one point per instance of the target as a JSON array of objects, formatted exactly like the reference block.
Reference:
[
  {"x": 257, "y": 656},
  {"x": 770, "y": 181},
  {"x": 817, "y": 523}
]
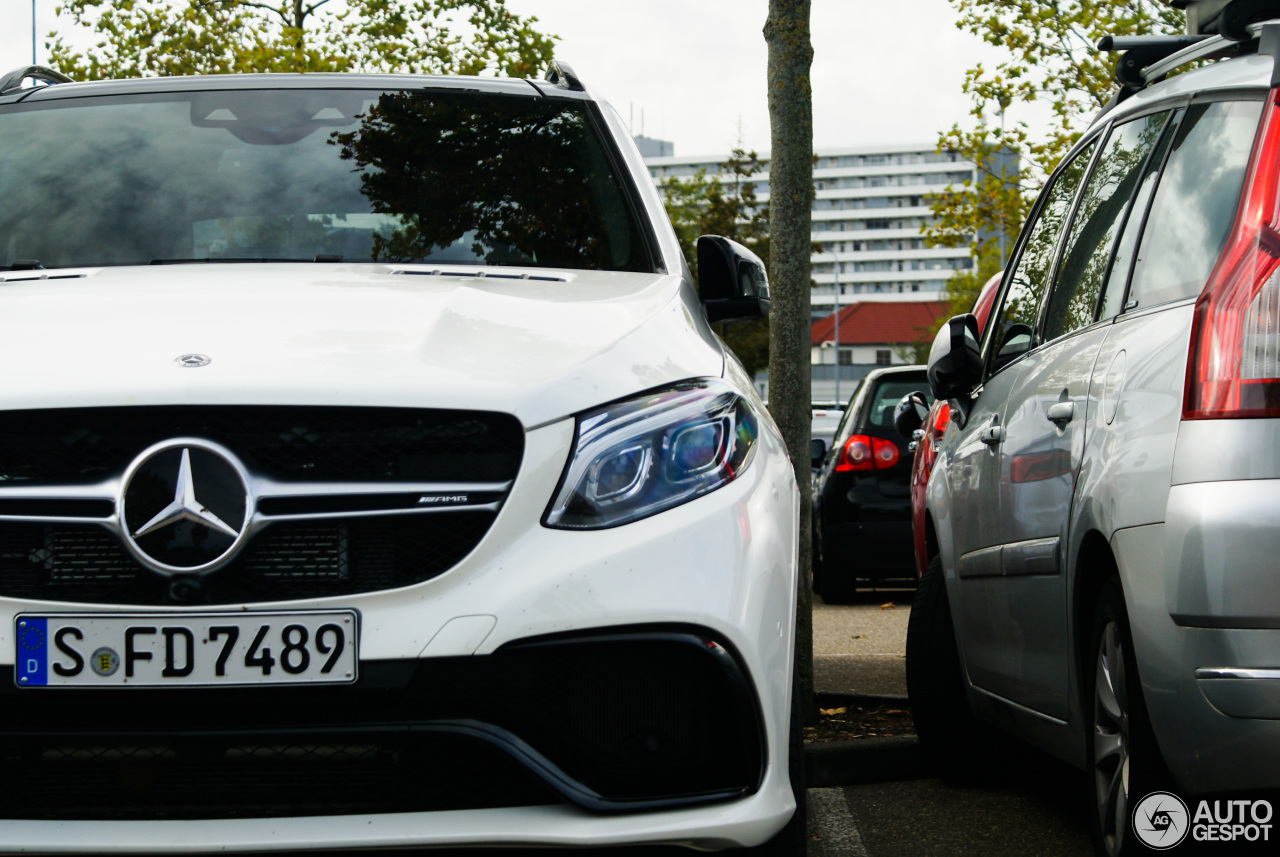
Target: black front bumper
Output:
[{"x": 629, "y": 719}]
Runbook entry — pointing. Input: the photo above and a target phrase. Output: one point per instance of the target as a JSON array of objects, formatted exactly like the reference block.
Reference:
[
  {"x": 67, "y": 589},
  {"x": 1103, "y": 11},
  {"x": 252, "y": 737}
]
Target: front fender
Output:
[{"x": 937, "y": 510}]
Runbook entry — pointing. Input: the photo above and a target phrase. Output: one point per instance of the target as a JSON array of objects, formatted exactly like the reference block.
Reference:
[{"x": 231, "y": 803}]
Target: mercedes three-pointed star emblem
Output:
[{"x": 185, "y": 506}]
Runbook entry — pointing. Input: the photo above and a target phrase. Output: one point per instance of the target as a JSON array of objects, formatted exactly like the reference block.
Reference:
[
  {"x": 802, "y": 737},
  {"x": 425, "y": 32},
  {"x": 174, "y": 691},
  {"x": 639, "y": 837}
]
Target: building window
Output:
[
  {"x": 884, "y": 357},
  {"x": 846, "y": 356}
]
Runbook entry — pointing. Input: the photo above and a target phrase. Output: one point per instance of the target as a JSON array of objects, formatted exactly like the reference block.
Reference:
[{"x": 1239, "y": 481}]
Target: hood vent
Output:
[
  {"x": 481, "y": 275},
  {"x": 36, "y": 275}
]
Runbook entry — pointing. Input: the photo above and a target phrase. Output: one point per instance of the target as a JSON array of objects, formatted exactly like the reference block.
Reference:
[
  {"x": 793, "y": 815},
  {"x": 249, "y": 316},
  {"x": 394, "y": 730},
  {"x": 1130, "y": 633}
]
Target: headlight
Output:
[{"x": 638, "y": 457}]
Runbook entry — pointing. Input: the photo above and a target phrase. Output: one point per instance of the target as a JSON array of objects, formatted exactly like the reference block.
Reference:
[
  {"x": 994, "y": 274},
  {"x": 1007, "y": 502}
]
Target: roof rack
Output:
[
  {"x": 12, "y": 81},
  {"x": 1216, "y": 29},
  {"x": 563, "y": 76},
  {"x": 1143, "y": 51},
  {"x": 1230, "y": 20}
]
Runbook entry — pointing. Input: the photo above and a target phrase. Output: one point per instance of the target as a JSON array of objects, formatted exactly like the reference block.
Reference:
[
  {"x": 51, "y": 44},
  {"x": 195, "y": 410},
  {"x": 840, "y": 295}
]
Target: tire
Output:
[
  {"x": 838, "y": 588},
  {"x": 835, "y": 588},
  {"x": 1117, "y": 726},
  {"x": 935, "y": 680}
]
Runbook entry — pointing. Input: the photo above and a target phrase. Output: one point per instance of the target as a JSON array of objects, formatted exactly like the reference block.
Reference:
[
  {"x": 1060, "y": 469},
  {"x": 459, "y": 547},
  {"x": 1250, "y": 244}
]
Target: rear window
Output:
[
  {"x": 886, "y": 395},
  {"x": 365, "y": 176},
  {"x": 1195, "y": 202}
]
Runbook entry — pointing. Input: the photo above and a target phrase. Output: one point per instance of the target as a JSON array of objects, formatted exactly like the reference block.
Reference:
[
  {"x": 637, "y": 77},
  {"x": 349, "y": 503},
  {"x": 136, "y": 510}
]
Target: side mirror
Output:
[
  {"x": 1017, "y": 340},
  {"x": 817, "y": 451},
  {"x": 909, "y": 415},
  {"x": 955, "y": 361},
  {"x": 732, "y": 280}
]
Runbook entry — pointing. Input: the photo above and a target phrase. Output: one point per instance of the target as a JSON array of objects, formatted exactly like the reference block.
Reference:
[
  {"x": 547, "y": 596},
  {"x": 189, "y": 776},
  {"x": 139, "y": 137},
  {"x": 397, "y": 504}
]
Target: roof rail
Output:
[
  {"x": 12, "y": 81},
  {"x": 563, "y": 75}
]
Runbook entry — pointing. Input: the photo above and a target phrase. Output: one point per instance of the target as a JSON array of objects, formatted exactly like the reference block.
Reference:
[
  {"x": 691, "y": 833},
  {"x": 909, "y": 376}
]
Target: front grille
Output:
[
  {"x": 85, "y": 563},
  {"x": 624, "y": 720},
  {"x": 83, "y": 446},
  {"x": 351, "y": 499}
]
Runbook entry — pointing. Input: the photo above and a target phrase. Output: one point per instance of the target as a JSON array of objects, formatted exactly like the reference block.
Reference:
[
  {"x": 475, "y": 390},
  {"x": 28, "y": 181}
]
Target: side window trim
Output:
[
  {"x": 1015, "y": 259},
  {"x": 1099, "y": 143},
  {"x": 630, "y": 191},
  {"x": 1171, "y": 123},
  {"x": 1172, "y": 128},
  {"x": 1011, "y": 264}
]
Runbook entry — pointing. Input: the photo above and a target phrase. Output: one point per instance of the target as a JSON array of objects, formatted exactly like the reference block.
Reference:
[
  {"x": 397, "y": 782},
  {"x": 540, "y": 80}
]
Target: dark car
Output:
[{"x": 862, "y": 498}]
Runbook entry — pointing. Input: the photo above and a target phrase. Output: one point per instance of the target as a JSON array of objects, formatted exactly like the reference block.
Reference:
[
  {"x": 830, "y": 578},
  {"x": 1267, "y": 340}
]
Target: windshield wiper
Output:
[
  {"x": 220, "y": 260},
  {"x": 24, "y": 265}
]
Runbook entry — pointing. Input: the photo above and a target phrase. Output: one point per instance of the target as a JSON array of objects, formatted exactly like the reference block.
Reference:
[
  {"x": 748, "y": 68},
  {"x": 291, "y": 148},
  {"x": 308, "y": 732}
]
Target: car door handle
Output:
[
  {"x": 1062, "y": 413},
  {"x": 993, "y": 435}
]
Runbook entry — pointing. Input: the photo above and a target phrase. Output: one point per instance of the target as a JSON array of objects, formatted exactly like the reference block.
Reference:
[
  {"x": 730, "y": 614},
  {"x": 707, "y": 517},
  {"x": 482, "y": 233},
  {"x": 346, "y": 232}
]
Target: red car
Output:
[{"x": 933, "y": 427}]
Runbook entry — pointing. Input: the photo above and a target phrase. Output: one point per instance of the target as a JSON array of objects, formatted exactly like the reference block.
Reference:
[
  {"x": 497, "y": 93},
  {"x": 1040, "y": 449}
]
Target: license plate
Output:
[{"x": 185, "y": 650}]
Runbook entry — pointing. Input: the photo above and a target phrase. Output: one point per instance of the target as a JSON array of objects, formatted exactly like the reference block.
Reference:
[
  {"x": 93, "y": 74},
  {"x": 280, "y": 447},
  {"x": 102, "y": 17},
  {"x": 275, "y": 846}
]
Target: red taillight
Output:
[
  {"x": 866, "y": 453},
  {"x": 855, "y": 454},
  {"x": 1233, "y": 368},
  {"x": 885, "y": 453},
  {"x": 943, "y": 418}
]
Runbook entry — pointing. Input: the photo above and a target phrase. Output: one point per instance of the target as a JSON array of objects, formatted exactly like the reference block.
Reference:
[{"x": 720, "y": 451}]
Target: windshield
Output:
[{"x": 324, "y": 175}]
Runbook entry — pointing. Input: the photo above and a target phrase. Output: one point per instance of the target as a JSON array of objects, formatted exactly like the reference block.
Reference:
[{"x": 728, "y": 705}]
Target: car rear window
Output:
[
  {"x": 1195, "y": 202},
  {"x": 885, "y": 397},
  {"x": 406, "y": 176}
]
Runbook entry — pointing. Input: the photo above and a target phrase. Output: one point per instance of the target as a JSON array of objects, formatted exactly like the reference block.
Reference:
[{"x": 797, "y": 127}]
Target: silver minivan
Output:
[{"x": 1103, "y": 518}]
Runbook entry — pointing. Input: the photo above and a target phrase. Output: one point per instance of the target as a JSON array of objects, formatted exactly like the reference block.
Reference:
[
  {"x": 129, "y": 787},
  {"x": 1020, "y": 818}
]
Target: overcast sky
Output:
[{"x": 884, "y": 70}]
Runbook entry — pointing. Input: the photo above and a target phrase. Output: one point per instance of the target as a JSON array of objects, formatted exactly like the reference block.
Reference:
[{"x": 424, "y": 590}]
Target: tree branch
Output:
[{"x": 272, "y": 9}]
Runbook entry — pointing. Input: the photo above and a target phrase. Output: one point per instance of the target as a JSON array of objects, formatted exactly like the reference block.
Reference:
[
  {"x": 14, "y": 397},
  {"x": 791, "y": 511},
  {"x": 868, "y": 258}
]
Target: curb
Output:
[
  {"x": 867, "y": 760},
  {"x": 860, "y": 700}
]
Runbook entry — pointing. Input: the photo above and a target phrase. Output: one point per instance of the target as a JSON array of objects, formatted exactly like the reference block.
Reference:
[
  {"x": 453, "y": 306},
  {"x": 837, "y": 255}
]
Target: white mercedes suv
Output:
[{"x": 370, "y": 476}]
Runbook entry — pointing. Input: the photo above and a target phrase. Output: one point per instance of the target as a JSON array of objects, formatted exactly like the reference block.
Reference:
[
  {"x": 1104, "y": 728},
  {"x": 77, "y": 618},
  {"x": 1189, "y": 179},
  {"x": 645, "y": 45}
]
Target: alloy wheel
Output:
[{"x": 1111, "y": 740}]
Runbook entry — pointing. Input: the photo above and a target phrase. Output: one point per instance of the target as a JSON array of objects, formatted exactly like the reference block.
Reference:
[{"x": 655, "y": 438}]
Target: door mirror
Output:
[
  {"x": 1017, "y": 340},
  {"x": 817, "y": 451},
  {"x": 955, "y": 361},
  {"x": 731, "y": 279},
  {"x": 909, "y": 415}
]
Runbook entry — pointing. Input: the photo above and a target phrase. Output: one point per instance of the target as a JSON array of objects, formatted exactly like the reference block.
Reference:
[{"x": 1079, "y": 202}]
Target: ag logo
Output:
[{"x": 1160, "y": 820}]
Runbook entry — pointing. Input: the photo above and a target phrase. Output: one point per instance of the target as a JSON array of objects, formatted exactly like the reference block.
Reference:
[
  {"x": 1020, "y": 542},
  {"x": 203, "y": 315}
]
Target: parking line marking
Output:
[{"x": 832, "y": 831}]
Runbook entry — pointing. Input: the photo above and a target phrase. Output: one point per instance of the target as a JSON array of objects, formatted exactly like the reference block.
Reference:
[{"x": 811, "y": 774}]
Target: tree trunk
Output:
[{"x": 790, "y": 200}]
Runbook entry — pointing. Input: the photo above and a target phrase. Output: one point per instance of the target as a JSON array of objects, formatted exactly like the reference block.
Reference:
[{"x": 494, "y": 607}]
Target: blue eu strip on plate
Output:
[{"x": 31, "y": 657}]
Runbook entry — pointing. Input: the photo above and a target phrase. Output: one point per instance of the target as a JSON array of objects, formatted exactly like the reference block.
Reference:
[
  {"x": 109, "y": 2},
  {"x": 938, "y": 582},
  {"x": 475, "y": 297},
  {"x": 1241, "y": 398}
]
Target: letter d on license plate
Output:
[{"x": 186, "y": 650}]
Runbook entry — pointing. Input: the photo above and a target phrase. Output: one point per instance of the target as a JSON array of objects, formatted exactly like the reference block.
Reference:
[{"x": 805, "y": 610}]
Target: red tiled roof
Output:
[{"x": 880, "y": 322}]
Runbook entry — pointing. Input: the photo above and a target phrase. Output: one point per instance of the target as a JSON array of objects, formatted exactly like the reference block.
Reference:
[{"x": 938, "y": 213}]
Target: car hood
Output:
[{"x": 538, "y": 343}]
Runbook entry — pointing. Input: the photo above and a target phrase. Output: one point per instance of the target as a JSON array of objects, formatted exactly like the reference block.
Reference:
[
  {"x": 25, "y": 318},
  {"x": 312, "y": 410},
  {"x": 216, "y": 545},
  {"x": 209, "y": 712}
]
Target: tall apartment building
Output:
[{"x": 869, "y": 205}]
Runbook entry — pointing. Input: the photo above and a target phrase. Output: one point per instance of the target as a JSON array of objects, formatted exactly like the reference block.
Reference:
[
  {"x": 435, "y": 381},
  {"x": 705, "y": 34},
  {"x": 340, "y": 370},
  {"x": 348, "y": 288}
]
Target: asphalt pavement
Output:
[
  {"x": 1023, "y": 804},
  {"x": 862, "y": 647}
]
